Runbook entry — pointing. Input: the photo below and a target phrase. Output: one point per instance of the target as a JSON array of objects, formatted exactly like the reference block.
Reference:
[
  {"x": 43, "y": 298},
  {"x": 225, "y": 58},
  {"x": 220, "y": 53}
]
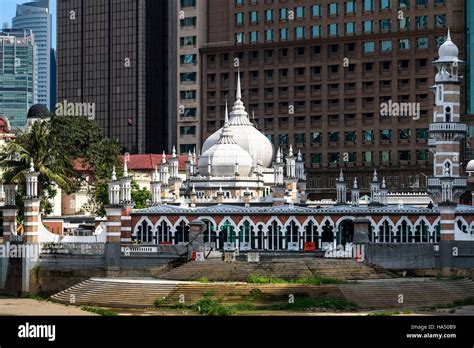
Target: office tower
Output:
[
  {"x": 192, "y": 27},
  {"x": 36, "y": 16},
  {"x": 17, "y": 75},
  {"x": 320, "y": 74},
  {"x": 121, "y": 56}
]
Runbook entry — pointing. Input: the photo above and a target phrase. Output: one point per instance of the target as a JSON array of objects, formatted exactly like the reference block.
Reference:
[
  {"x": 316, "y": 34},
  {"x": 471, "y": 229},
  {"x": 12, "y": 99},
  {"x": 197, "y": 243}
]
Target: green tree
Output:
[
  {"x": 34, "y": 147},
  {"x": 140, "y": 197}
]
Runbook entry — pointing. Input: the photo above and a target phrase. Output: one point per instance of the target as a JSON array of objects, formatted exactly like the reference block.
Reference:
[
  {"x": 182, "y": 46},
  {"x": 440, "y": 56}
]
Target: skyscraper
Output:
[
  {"x": 121, "y": 55},
  {"x": 35, "y": 16},
  {"x": 17, "y": 75},
  {"x": 320, "y": 74}
]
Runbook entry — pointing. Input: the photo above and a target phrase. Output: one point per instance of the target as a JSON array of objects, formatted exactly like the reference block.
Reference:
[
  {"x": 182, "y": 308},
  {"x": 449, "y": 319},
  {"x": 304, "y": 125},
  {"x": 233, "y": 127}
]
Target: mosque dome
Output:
[
  {"x": 470, "y": 166},
  {"x": 225, "y": 156},
  {"x": 448, "y": 50},
  {"x": 245, "y": 134},
  {"x": 38, "y": 111}
]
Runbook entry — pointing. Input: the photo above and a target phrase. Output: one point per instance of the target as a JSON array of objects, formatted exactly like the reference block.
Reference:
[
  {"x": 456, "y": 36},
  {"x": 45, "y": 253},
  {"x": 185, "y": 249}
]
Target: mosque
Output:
[{"x": 251, "y": 198}]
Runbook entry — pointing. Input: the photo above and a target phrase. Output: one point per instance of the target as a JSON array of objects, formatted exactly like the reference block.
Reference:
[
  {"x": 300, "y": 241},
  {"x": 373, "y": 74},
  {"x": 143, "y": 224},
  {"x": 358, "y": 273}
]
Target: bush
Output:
[
  {"x": 100, "y": 311},
  {"x": 208, "y": 306},
  {"x": 307, "y": 303},
  {"x": 203, "y": 280}
]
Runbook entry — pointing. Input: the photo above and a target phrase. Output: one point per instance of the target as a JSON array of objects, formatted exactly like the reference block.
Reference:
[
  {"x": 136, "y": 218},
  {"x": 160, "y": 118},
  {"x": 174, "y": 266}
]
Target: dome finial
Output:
[
  {"x": 125, "y": 168},
  {"x": 174, "y": 152},
  {"x": 226, "y": 119},
  {"x": 239, "y": 89},
  {"x": 375, "y": 179},
  {"x": 32, "y": 166},
  {"x": 114, "y": 174},
  {"x": 448, "y": 38},
  {"x": 341, "y": 176},
  {"x": 163, "y": 157},
  {"x": 355, "y": 183}
]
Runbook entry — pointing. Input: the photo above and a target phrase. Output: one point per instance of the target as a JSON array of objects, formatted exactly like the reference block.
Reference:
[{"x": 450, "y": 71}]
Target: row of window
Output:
[
  {"x": 368, "y": 156},
  {"x": 368, "y": 136},
  {"x": 350, "y": 7},
  {"x": 316, "y": 31}
]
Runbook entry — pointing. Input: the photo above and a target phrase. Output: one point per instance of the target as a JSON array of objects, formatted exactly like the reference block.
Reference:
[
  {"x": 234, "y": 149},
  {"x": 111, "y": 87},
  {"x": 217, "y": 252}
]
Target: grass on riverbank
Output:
[
  {"x": 253, "y": 279},
  {"x": 100, "y": 311}
]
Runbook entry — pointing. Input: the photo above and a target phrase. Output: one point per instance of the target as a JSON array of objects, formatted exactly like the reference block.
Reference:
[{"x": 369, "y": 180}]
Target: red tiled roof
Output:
[
  {"x": 150, "y": 161},
  {"x": 137, "y": 162}
]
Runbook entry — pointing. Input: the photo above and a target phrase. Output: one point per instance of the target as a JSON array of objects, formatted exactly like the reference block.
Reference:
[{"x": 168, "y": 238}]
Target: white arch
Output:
[
  {"x": 143, "y": 218},
  {"x": 290, "y": 219},
  {"x": 174, "y": 228}
]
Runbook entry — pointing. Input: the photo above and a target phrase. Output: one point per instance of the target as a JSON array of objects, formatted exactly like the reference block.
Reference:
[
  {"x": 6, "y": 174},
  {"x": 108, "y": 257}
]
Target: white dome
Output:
[
  {"x": 224, "y": 157},
  {"x": 448, "y": 50},
  {"x": 470, "y": 166},
  {"x": 245, "y": 134}
]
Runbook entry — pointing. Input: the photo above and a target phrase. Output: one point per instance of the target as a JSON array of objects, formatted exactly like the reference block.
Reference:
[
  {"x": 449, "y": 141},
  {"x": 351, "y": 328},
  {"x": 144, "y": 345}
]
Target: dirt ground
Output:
[{"x": 25, "y": 306}]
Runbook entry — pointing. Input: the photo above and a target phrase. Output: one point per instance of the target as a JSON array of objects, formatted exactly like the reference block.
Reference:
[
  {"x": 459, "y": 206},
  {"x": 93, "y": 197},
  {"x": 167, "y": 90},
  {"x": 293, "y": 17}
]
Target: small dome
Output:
[
  {"x": 225, "y": 155},
  {"x": 470, "y": 166},
  {"x": 448, "y": 50},
  {"x": 38, "y": 111}
]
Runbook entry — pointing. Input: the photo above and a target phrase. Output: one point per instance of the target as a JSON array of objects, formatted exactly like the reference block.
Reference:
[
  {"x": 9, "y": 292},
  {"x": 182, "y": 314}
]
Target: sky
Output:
[{"x": 8, "y": 9}]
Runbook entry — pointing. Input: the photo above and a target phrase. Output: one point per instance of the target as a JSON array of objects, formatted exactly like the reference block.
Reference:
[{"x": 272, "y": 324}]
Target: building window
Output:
[
  {"x": 300, "y": 12},
  {"x": 188, "y": 3},
  {"x": 254, "y": 36},
  {"x": 421, "y": 133},
  {"x": 386, "y": 134},
  {"x": 300, "y": 33},
  {"x": 368, "y": 156},
  {"x": 239, "y": 38},
  {"x": 404, "y": 155},
  {"x": 384, "y": 4},
  {"x": 368, "y": 5},
  {"x": 333, "y": 137},
  {"x": 188, "y": 95},
  {"x": 283, "y": 138},
  {"x": 440, "y": 20},
  {"x": 368, "y": 136},
  {"x": 350, "y": 136},
  {"x": 421, "y": 22},
  {"x": 239, "y": 2},
  {"x": 332, "y": 9},
  {"x": 188, "y": 59},
  {"x": 333, "y": 29},
  {"x": 316, "y": 31},
  {"x": 186, "y": 148},
  {"x": 350, "y": 7},
  {"x": 350, "y": 28},
  {"x": 404, "y": 134},
  {"x": 422, "y": 42},
  {"x": 386, "y": 45},
  {"x": 269, "y": 35},
  {"x": 316, "y": 158},
  {"x": 440, "y": 40},
  {"x": 369, "y": 47},
  {"x": 254, "y": 17},
  {"x": 188, "y": 130},
  {"x": 422, "y": 155},
  {"x": 368, "y": 26},
  {"x": 316, "y": 138},
  {"x": 188, "y": 77},
  {"x": 188, "y": 41},
  {"x": 333, "y": 157},
  {"x": 385, "y": 25},
  {"x": 403, "y": 3},
  {"x": 283, "y": 14},
  {"x": 269, "y": 15},
  {"x": 284, "y": 34},
  {"x": 316, "y": 11},
  {"x": 404, "y": 44},
  {"x": 300, "y": 138},
  {"x": 421, "y": 2},
  {"x": 189, "y": 112},
  {"x": 188, "y": 22},
  {"x": 404, "y": 23},
  {"x": 271, "y": 137},
  {"x": 239, "y": 19},
  {"x": 385, "y": 156}
]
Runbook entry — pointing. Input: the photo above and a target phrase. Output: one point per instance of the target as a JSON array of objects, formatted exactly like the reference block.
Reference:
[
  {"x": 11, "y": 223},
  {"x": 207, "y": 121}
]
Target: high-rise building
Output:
[
  {"x": 345, "y": 82},
  {"x": 121, "y": 56},
  {"x": 192, "y": 29},
  {"x": 36, "y": 16},
  {"x": 17, "y": 75}
]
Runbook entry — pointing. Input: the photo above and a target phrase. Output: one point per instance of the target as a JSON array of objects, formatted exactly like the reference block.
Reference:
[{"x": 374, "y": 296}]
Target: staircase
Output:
[
  {"x": 114, "y": 293},
  {"x": 415, "y": 292},
  {"x": 291, "y": 268}
]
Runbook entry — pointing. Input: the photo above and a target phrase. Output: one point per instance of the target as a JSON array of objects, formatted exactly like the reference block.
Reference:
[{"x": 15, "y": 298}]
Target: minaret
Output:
[
  {"x": 355, "y": 194},
  {"x": 446, "y": 130},
  {"x": 447, "y": 133},
  {"x": 156, "y": 188},
  {"x": 341, "y": 189},
  {"x": 125, "y": 186},
  {"x": 383, "y": 198},
  {"x": 278, "y": 189},
  {"x": 374, "y": 189}
]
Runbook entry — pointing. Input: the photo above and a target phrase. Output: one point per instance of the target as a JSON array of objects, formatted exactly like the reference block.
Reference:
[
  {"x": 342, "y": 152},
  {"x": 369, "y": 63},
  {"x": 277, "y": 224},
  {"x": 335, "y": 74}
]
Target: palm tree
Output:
[{"x": 36, "y": 146}]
